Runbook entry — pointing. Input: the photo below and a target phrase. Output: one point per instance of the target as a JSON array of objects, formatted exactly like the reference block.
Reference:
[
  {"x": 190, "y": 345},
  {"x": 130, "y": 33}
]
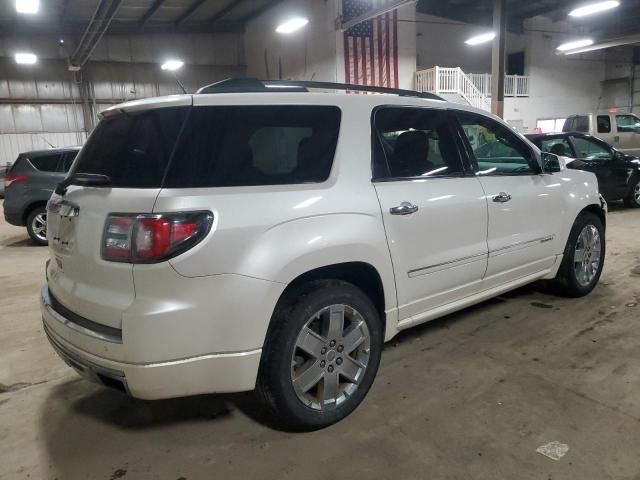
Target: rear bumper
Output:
[
  {"x": 12, "y": 216},
  {"x": 165, "y": 353}
]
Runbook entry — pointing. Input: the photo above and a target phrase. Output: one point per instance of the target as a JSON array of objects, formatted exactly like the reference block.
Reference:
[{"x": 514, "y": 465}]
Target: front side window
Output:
[
  {"x": 628, "y": 123},
  {"x": 253, "y": 145},
  {"x": 46, "y": 163},
  {"x": 68, "y": 161},
  {"x": 557, "y": 146},
  {"x": 497, "y": 149},
  {"x": 604, "y": 124},
  {"x": 414, "y": 142},
  {"x": 590, "y": 149}
]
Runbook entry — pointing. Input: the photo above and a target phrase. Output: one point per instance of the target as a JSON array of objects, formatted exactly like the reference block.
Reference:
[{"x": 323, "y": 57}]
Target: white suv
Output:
[{"x": 260, "y": 236}]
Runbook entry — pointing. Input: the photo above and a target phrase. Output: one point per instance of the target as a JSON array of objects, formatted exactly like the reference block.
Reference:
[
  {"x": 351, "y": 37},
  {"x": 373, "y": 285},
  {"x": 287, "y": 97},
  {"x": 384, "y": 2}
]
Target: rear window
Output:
[
  {"x": 46, "y": 163},
  {"x": 255, "y": 145},
  {"x": 133, "y": 149},
  {"x": 582, "y": 124}
]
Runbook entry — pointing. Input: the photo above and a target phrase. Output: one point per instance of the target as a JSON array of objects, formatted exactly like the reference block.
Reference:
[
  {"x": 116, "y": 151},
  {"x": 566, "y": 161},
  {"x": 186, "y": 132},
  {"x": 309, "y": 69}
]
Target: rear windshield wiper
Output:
[{"x": 82, "y": 179}]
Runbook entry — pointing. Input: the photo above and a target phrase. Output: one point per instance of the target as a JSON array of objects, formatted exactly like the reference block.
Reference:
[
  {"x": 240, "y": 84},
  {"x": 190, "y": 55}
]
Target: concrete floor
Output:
[{"x": 470, "y": 396}]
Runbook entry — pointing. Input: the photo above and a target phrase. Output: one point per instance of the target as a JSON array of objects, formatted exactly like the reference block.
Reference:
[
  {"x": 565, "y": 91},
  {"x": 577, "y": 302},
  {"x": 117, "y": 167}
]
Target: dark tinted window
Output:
[
  {"x": 591, "y": 149},
  {"x": 46, "y": 163},
  {"x": 68, "y": 160},
  {"x": 413, "y": 142},
  {"x": 569, "y": 124},
  {"x": 604, "y": 124},
  {"x": 242, "y": 146},
  {"x": 133, "y": 149},
  {"x": 582, "y": 124}
]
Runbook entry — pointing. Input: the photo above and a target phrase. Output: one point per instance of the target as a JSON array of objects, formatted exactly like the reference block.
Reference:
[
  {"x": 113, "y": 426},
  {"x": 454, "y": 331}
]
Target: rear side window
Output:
[
  {"x": 604, "y": 124},
  {"x": 255, "y": 145},
  {"x": 46, "y": 163},
  {"x": 414, "y": 142},
  {"x": 133, "y": 149}
]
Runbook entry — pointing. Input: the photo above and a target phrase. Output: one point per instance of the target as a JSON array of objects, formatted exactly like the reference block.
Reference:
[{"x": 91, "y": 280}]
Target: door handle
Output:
[
  {"x": 502, "y": 197},
  {"x": 405, "y": 208}
]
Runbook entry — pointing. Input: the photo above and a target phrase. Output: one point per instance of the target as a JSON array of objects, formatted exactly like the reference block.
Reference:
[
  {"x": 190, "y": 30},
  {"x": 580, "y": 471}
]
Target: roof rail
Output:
[{"x": 250, "y": 85}]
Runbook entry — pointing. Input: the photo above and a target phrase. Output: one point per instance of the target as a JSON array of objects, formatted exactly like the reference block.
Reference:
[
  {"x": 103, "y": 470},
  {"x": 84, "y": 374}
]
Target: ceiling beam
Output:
[
  {"x": 226, "y": 9},
  {"x": 256, "y": 13},
  {"x": 98, "y": 25},
  {"x": 149, "y": 13},
  {"x": 189, "y": 11}
]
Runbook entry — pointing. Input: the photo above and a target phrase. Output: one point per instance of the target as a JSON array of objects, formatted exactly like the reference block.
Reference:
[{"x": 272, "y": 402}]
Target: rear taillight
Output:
[
  {"x": 11, "y": 179},
  {"x": 149, "y": 238}
]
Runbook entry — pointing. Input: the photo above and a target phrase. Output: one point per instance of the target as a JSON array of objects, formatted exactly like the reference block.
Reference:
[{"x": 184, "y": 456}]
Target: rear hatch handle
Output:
[{"x": 82, "y": 179}]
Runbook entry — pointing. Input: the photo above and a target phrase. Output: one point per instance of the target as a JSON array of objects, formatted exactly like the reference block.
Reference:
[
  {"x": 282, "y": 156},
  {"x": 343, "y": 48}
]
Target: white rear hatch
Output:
[{"x": 132, "y": 146}]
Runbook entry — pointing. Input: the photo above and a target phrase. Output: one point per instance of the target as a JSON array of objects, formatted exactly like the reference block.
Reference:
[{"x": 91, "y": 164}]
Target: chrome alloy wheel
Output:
[
  {"x": 39, "y": 226},
  {"x": 586, "y": 258},
  {"x": 330, "y": 357}
]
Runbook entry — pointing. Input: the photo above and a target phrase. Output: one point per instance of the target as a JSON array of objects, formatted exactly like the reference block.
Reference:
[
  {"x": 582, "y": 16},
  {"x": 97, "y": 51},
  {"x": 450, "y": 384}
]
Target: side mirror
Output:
[{"x": 551, "y": 163}]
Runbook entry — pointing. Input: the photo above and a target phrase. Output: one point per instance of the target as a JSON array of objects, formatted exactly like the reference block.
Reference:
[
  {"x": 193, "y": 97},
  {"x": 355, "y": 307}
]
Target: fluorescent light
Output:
[
  {"x": 26, "y": 58},
  {"x": 594, "y": 8},
  {"x": 585, "y": 42},
  {"x": 292, "y": 25},
  {"x": 27, "y": 6},
  {"x": 482, "y": 38},
  {"x": 172, "y": 65}
]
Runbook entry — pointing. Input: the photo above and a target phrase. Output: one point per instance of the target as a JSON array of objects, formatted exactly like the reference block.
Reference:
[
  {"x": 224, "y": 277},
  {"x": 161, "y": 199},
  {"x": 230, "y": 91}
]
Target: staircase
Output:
[
  {"x": 452, "y": 82},
  {"x": 472, "y": 88}
]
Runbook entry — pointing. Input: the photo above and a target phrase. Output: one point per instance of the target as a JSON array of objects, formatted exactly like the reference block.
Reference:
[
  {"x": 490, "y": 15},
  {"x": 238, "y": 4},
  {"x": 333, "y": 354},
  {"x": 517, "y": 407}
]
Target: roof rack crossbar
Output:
[{"x": 249, "y": 85}]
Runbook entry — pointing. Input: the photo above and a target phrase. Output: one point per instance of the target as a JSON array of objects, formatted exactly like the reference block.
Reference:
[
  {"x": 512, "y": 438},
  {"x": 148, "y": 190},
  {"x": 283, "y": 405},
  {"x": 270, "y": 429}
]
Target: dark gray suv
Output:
[{"x": 29, "y": 184}]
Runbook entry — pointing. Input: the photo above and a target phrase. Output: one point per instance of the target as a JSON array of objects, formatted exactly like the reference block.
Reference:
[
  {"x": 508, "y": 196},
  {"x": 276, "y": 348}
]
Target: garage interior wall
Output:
[
  {"x": 316, "y": 52},
  {"x": 45, "y": 104}
]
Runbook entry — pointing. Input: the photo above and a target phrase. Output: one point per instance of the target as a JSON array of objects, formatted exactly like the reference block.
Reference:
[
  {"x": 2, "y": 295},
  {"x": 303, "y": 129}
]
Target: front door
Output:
[
  {"x": 596, "y": 156},
  {"x": 434, "y": 211},
  {"x": 628, "y": 134},
  {"x": 525, "y": 207}
]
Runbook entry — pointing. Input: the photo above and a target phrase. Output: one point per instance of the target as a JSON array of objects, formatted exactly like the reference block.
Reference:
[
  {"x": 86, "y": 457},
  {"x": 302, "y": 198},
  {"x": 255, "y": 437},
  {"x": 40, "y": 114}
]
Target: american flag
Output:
[{"x": 371, "y": 47}]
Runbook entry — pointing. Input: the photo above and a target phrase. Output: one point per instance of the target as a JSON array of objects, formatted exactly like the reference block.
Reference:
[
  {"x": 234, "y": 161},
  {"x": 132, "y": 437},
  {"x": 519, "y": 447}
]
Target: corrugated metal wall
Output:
[{"x": 46, "y": 102}]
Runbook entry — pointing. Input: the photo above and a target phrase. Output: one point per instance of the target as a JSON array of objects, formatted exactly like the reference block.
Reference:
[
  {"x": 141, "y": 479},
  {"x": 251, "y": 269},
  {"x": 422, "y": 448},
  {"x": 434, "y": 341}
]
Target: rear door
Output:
[
  {"x": 523, "y": 237},
  {"x": 132, "y": 148},
  {"x": 433, "y": 209}
]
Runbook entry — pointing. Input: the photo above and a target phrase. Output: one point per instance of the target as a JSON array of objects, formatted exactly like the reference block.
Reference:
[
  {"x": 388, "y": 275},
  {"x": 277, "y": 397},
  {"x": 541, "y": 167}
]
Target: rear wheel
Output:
[
  {"x": 583, "y": 257},
  {"x": 37, "y": 225},
  {"x": 633, "y": 198},
  {"x": 321, "y": 356}
]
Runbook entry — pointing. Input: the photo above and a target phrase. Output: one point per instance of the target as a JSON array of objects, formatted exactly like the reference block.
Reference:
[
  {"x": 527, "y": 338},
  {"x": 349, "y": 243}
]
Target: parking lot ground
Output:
[{"x": 470, "y": 396}]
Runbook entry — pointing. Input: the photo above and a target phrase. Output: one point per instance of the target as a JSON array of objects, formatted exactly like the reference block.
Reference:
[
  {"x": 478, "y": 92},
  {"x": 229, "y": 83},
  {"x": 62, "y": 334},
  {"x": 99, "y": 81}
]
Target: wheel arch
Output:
[
  {"x": 361, "y": 274},
  {"x": 31, "y": 207}
]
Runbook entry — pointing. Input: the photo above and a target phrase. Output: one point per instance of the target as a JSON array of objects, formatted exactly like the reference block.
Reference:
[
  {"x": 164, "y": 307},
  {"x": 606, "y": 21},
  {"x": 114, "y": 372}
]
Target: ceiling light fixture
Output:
[
  {"x": 592, "y": 8},
  {"x": 172, "y": 65},
  {"x": 27, "y": 6},
  {"x": 585, "y": 42},
  {"x": 26, "y": 58},
  {"x": 482, "y": 38},
  {"x": 292, "y": 25}
]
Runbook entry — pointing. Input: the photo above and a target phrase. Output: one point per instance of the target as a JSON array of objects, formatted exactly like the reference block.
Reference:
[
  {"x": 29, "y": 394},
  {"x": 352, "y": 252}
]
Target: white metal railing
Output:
[
  {"x": 514, "y": 85},
  {"x": 441, "y": 80}
]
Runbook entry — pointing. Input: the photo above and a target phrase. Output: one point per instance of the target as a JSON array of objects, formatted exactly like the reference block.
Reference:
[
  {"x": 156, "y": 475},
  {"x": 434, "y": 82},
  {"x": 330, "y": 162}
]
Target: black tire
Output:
[
  {"x": 275, "y": 386},
  {"x": 632, "y": 199},
  {"x": 566, "y": 282},
  {"x": 36, "y": 236}
]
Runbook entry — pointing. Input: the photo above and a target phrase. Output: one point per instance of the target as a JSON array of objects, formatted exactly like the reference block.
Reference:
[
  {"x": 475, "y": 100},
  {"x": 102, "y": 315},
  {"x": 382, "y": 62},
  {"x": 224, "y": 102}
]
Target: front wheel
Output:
[
  {"x": 321, "y": 355},
  {"x": 633, "y": 198},
  {"x": 583, "y": 257},
  {"x": 37, "y": 226}
]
